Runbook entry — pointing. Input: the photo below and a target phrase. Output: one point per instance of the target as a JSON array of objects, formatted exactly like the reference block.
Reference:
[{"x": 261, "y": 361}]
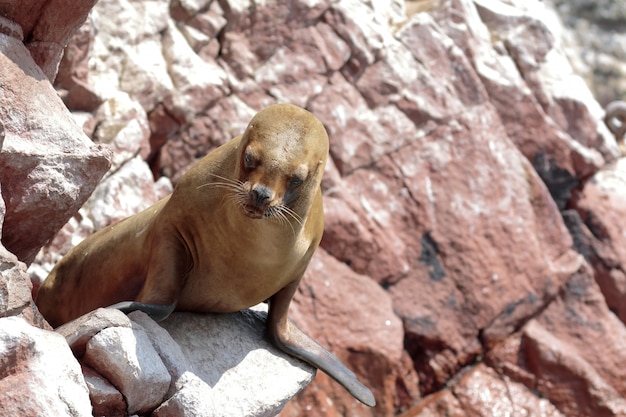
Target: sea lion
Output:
[
  {"x": 240, "y": 228},
  {"x": 615, "y": 119}
]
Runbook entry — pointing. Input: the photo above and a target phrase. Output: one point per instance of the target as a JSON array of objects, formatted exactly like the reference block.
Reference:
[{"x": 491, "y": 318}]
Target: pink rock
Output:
[
  {"x": 555, "y": 356},
  {"x": 41, "y": 139},
  {"x": 105, "y": 399},
  {"x": 600, "y": 234},
  {"x": 328, "y": 306},
  {"x": 73, "y": 74},
  {"x": 38, "y": 374},
  {"x": 48, "y": 30},
  {"x": 15, "y": 285}
]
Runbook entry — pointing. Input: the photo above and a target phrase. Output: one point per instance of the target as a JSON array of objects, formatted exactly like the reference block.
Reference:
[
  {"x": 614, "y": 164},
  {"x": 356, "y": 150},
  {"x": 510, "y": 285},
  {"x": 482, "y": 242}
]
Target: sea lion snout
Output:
[
  {"x": 261, "y": 195},
  {"x": 259, "y": 199}
]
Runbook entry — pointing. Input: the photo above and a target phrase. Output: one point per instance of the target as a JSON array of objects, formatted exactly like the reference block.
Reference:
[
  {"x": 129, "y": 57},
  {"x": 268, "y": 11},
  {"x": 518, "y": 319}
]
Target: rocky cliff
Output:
[{"x": 473, "y": 257}]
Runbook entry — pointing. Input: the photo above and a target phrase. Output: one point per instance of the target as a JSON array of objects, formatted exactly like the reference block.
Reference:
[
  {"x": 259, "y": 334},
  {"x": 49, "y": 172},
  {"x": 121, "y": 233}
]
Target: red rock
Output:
[
  {"x": 42, "y": 140},
  {"x": 570, "y": 351},
  {"x": 548, "y": 113},
  {"x": 442, "y": 403},
  {"x": 227, "y": 119},
  {"x": 47, "y": 26},
  {"x": 600, "y": 233},
  {"x": 452, "y": 264},
  {"x": 481, "y": 392},
  {"x": 328, "y": 306}
]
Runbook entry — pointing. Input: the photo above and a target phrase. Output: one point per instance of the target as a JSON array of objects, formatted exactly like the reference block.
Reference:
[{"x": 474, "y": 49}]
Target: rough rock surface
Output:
[
  {"x": 105, "y": 399},
  {"x": 38, "y": 373},
  {"x": 226, "y": 349},
  {"x": 48, "y": 166},
  {"x": 595, "y": 37},
  {"x": 45, "y": 26},
  {"x": 472, "y": 258},
  {"x": 127, "y": 359},
  {"x": 599, "y": 231},
  {"x": 208, "y": 364}
]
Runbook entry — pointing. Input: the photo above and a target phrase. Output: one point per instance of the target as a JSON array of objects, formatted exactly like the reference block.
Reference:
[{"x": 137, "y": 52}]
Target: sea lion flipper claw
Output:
[{"x": 157, "y": 312}]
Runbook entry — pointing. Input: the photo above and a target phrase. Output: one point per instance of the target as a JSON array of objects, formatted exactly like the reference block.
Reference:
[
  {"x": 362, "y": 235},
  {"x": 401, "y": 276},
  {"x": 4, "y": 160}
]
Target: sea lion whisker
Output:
[
  {"x": 219, "y": 184},
  {"x": 292, "y": 213},
  {"x": 237, "y": 198},
  {"x": 230, "y": 180},
  {"x": 281, "y": 215}
]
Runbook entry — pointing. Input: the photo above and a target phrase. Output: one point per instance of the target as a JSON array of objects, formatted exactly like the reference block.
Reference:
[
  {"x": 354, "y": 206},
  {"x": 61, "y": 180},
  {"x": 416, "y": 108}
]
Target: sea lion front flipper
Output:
[
  {"x": 157, "y": 312},
  {"x": 159, "y": 296},
  {"x": 290, "y": 339}
]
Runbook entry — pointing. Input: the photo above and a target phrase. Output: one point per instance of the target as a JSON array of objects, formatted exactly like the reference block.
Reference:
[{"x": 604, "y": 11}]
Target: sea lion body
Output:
[{"x": 240, "y": 228}]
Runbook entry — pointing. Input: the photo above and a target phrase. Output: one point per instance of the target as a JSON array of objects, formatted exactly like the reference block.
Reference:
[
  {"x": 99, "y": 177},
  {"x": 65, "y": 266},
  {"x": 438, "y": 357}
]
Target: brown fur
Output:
[{"x": 240, "y": 228}]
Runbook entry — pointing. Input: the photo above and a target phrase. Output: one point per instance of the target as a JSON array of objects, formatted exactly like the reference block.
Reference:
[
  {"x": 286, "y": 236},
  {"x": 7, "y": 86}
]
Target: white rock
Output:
[
  {"x": 128, "y": 360},
  {"x": 131, "y": 30},
  {"x": 248, "y": 375},
  {"x": 193, "y": 398},
  {"x": 196, "y": 83},
  {"x": 170, "y": 352},
  {"x": 130, "y": 190},
  {"x": 78, "y": 332},
  {"x": 38, "y": 373},
  {"x": 123, "y": 124}
]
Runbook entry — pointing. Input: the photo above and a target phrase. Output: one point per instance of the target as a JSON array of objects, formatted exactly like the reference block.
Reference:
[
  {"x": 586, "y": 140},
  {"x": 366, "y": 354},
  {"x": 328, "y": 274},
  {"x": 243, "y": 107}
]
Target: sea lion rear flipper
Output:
[
  {"x": 290, "y": 339},
  {"x": 306, "y": 348},
  {"x": 157, "y": 312}
]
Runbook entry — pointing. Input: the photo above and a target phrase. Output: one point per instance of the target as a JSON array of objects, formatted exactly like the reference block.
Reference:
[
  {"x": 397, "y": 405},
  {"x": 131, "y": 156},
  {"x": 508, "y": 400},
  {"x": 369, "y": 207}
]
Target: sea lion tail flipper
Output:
[
  {"x": 299, "y": 344},
  {"x": 157, "y": 312},
  {"x": 289, "y": 338}
]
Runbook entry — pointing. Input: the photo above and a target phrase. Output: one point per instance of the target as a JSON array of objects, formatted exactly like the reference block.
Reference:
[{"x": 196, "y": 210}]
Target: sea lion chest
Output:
[{"x": 240, "y": 263}]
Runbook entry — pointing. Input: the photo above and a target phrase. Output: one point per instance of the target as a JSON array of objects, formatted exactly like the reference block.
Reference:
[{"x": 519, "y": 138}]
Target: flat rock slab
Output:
[{"x": 247, "y": 374}]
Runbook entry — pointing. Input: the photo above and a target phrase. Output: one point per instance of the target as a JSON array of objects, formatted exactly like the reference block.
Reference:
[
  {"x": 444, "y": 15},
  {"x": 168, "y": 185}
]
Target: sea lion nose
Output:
[{"x": 260, "y": 194}]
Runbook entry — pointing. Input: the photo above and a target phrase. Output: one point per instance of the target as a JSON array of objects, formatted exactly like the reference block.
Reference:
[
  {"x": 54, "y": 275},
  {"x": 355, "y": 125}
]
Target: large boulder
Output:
[
  {"x": 48, "y": 166},
  {"x": 38, "y": 373}
]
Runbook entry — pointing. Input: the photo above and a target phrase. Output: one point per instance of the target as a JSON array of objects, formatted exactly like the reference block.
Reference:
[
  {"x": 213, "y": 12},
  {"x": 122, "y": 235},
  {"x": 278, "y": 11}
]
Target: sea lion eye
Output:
[
  {"x": 248, "y": 161},
  {"x": 295, "y": 182}
]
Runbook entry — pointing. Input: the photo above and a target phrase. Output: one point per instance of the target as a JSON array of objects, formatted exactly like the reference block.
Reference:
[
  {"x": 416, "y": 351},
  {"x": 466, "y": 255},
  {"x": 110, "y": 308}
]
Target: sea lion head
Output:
[{"x": 281, "y": 159}]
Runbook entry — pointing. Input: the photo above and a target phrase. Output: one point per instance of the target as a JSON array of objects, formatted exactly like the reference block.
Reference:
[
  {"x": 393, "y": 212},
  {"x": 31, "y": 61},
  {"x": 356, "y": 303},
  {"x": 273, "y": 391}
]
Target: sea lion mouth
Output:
[{"x": 253, "y": 211}]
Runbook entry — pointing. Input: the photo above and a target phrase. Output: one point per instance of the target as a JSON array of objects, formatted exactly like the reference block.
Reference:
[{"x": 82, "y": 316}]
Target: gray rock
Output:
[
  {"x": 128, "y": 360},
  {"x": 247, "y": 374}
]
